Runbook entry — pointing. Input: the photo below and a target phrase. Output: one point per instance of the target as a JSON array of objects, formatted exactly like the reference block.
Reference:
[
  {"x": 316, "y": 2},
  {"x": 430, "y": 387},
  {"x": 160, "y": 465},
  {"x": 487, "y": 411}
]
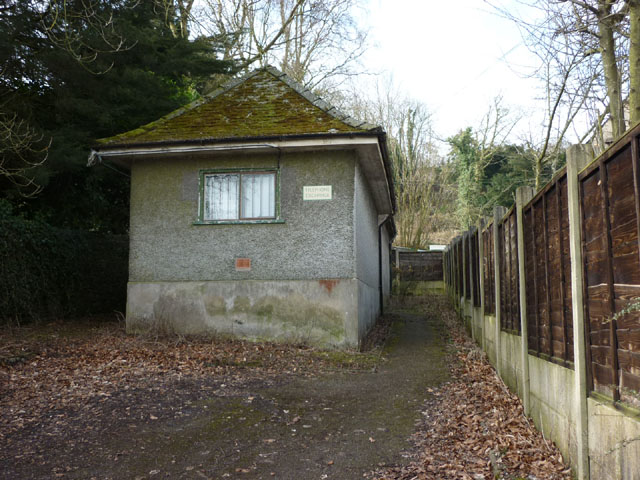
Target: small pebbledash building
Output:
[{"x": 260, "y": 212}]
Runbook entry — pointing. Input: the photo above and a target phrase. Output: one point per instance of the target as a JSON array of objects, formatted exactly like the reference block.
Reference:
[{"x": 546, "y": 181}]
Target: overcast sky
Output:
[{"x": 456, "y": 56}]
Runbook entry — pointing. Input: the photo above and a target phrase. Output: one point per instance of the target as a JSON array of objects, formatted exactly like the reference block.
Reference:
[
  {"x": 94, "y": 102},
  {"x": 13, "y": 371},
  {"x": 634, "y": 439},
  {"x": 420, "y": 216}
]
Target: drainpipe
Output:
[{"x": 380, "y": 262}]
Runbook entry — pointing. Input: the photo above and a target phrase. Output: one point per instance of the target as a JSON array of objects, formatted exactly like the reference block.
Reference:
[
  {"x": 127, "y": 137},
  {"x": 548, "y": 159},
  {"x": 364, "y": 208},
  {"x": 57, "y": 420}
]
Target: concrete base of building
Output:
[{"x": 324, "y": 312}]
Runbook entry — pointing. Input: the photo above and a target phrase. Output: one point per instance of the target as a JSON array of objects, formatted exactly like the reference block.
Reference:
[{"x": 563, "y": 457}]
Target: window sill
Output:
[{"x": 239, "y": 222}]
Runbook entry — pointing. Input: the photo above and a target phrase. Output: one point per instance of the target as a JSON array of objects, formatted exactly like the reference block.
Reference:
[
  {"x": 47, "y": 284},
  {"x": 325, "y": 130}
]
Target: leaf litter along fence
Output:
[{"x": 609, "y": 202}]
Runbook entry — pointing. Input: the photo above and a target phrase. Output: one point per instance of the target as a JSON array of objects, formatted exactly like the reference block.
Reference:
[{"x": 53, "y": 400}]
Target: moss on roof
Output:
[{"x": 264, "y": 103}]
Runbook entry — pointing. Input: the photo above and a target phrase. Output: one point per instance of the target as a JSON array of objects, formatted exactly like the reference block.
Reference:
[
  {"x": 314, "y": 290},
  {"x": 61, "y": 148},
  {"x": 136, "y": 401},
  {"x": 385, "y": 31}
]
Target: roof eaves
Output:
[
  {"x": 388, "y": 167},
  {"x": 238, "y": 140}
]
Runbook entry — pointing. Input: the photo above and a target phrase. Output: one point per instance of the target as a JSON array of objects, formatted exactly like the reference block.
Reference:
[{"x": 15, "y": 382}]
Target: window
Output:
[{"x": 239, "y": 196}]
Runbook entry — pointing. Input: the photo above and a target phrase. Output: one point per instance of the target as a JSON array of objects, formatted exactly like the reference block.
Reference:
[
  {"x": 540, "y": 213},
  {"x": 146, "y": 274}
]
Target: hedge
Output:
[{"x": 47, "y": 272}]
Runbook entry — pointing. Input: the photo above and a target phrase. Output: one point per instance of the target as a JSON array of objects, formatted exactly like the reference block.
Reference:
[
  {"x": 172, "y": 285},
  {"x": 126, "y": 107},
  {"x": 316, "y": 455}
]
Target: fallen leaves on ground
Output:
[
  {"x": 474, "y": 428},
  {"x": 61, "y": 367}
]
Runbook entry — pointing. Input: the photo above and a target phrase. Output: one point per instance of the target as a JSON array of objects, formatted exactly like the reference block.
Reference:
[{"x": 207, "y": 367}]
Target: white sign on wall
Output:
[{"x": 316, "y": 192}]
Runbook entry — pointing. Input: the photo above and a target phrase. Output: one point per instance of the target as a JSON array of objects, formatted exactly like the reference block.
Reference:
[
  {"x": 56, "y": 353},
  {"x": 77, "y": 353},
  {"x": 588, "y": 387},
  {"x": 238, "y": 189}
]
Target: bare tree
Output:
[
  {"x": 568, "y": 88},
  {"x": 180, "y": 10},
  {"x": 20, "y": 155},
  {"x": 587, "y": 44},
  {"x": 310, "y": 40},
  {"x": 64, "y": 23},
  {"x": 634, "y": 60},
  {"x": 423, "y": 180}
]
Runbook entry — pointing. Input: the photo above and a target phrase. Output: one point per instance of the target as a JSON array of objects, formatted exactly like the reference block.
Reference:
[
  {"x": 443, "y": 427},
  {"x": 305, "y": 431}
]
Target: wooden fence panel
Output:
[
  {"x": 452, "y": 267},
  {"x": 514, "y": 277},
  {"x": 421, "y": 266},
  {"x": 565, "y": 256},
  {"x": 459, "y": 267},
  {"x": 611, "y": 222},
  {"x": 475, "y": 261},
  {"x": 447, "y": 267},
  {"x": 554, "y": 271},
  {"x": 509, "y": 297},
  {"x": 531, "y": 278},
  {"x": 625, "y": 265},
  {"x": 489, "y": 271},
  {"x": 544, "y": 326},
  {"x": 548, "y": 273},
  {"x": 596, "y": 282},
  {"x": 467, "y": 270},
  {"x": 503, "y": 284}
]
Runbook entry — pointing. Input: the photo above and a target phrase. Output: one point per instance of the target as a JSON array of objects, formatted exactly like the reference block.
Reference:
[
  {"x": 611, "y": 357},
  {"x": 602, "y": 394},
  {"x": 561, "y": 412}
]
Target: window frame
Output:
[{"x": 237, "y": 171}]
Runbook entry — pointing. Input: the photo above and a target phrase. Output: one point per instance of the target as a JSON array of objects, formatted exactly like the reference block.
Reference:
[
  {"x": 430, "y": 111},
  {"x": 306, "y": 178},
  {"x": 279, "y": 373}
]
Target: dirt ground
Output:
[{"x": 95, "y": 403}]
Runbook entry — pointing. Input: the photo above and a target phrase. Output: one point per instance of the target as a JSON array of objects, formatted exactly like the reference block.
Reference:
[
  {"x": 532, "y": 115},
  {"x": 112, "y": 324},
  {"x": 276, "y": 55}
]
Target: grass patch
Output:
[{"x": 349, "y": 360}]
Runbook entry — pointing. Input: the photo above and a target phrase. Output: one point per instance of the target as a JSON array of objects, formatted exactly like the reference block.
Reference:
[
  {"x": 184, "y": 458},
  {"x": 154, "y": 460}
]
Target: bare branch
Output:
[{"x": 19, "y": 154}]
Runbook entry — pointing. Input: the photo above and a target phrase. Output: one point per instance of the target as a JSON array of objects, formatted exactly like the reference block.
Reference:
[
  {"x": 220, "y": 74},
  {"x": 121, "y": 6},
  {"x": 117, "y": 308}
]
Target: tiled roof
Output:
[{"x": 263, "y": 103}]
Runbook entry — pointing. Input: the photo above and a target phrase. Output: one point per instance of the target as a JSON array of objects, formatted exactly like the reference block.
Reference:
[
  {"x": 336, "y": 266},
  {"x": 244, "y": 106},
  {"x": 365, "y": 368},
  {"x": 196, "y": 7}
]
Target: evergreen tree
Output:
[
  {"x": 97, "y": 84},
  {"x": 487, "y": 177}
]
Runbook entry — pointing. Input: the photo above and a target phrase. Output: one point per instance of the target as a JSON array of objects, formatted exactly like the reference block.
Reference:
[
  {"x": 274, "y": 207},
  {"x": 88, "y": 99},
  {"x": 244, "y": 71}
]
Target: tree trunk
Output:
[
  {"x": 185, "y": 12},
  {"x": 611, "y": 73},
  {"x": 537, "y": 168},
  {"x": 634, "y": 61}
]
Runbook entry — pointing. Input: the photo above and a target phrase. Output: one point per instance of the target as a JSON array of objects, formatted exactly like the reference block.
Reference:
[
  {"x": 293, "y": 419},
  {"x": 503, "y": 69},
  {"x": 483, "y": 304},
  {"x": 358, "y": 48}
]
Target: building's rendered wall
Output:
[
  {"x": 306, "y": 282},
  {"x": 321, "y": 312},
  {"x": 316, "y": 240},
  {"x": 367, "y": 253},
  {"x": 386, "y": 265}
]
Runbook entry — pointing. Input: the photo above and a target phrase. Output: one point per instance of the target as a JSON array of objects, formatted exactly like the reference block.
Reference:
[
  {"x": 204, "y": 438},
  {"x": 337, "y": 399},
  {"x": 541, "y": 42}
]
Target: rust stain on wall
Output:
[{"x": 328, "y": 284}]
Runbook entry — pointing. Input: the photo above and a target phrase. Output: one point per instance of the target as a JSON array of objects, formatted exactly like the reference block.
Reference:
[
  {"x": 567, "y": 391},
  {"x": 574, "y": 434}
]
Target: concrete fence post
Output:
[
  {"x": 523, "y": 196},
  {"x": 498, "y": 213},
  {"x": 578, "y": 156}
]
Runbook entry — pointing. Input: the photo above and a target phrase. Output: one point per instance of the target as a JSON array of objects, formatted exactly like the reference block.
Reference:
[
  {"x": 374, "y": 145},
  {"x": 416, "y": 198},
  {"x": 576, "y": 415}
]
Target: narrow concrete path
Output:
[{"x": 336, "y": 426}]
